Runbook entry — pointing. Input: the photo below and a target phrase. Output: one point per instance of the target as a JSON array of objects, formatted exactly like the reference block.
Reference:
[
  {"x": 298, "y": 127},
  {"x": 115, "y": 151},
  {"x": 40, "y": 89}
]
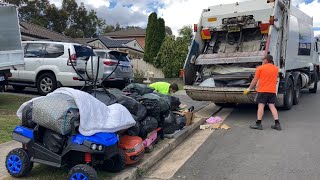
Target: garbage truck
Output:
[
  {"x": 11, "y": 53},
  {"x": 231, "y": 41}
]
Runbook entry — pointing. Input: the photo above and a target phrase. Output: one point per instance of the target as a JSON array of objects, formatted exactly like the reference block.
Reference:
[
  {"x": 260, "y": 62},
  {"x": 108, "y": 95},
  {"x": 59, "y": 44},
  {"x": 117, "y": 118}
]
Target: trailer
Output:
[
  {"x": 231, "y": 41},
  {"x": 11, "y": 53}
]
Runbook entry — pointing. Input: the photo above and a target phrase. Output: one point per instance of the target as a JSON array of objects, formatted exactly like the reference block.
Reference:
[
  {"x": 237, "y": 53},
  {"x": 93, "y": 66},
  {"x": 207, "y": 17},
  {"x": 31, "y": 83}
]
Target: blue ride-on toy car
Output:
[{"x": 82, "y": 153}]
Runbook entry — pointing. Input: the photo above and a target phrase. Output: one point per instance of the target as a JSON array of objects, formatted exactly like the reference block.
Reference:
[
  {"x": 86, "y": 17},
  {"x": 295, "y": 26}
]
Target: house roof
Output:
[
  {"x": 114, "y": 43},
  {"x": 30, "y": 29},
  {"x": 127, "y": 32},
  {"x": 85, "y": 40}
]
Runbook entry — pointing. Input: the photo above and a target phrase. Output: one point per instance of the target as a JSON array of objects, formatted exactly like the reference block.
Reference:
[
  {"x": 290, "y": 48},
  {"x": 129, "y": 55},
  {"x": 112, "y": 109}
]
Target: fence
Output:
[{"x": 141, "y": 65}]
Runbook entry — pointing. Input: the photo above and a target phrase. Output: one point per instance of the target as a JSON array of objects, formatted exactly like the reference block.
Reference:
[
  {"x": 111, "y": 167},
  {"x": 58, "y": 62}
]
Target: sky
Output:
[{"x": 176, "y": 13}]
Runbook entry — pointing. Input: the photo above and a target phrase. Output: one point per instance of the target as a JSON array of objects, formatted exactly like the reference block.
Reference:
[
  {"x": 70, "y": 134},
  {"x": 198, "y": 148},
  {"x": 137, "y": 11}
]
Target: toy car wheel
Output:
[
  {"x": 82, "y": 172},
  {"x": 18, "y": 163},
  {"x": 149, "y": 149},
  {"x": 116, "y": 164}
]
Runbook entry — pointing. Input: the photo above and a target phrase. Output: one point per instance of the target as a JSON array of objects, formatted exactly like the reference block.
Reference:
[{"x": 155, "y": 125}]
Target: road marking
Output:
[{"x": 171, "y": 163}]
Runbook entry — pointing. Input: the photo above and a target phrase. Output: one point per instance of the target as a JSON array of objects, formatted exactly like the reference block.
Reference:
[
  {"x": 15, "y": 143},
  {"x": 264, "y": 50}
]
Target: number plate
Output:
[
  {"x": 234, "y": 29},
  {"x": 125, "y": 69},
  {"x": 2, "y": 78}
]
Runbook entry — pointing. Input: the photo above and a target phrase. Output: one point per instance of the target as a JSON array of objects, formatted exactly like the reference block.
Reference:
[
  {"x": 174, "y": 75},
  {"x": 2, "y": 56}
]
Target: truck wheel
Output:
[
  {"x": 116, "y": 164},
  {"x": 190, "y": 74},
  {"x": 315, "y": 87},
  {"x": 18, "y": 88},
  {"x": 82, "y": 172},
  {"x": 18, "y": 163},
  {"x": 288, "y": 97},
  {"x": 297, "y": 92},
  {"x": 46, "y": 83}
]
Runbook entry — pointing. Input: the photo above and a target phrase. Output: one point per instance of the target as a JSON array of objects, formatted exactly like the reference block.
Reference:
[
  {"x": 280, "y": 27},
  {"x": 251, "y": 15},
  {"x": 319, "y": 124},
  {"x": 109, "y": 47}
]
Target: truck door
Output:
[{"x": 33, "y": 60}]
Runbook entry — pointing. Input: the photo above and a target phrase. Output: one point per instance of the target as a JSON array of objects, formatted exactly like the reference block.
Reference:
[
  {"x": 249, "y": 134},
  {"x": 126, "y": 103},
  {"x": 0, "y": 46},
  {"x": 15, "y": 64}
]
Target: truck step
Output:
[{"x": 22, "y": 84}]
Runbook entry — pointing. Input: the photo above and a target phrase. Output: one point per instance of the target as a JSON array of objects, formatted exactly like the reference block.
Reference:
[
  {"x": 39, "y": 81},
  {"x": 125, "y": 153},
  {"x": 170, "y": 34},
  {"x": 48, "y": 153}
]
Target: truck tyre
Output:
[
  {"x": 82, "y": 172},
  {"x": 297, "y": 92},
  {"x": 189, "y": 74},
  {"x": 288, "y": 96},
  {"x": 18, "y": 88},
  {"x": 46, "y": 83},
  {"x": 315, "y": 86}
]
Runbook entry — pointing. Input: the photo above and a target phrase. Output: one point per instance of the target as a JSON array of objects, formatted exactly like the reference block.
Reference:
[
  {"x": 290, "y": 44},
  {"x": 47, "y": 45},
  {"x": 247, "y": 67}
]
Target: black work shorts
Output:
[{"x": 266, "y": 98}]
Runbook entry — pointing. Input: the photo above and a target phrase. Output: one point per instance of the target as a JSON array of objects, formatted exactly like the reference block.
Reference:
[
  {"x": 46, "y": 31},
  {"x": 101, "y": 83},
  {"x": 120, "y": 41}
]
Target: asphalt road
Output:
[{"x": 243, "y": 153}]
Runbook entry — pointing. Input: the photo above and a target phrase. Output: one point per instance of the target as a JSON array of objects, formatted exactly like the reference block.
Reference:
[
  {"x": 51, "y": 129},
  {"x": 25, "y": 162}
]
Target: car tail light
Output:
[
  {"x": 72, "y": 60},
  {"x": 110, "y": 63}
]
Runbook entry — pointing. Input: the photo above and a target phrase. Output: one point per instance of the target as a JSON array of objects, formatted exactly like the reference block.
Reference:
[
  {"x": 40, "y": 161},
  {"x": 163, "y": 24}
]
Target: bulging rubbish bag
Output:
[
  {"x": 134, "y": 130},
  {"x": 148, "y": 125},
  {"x": 170, "y": 124},
  {"x": 140, "y": 89},
  {"x": 181, "y": 121}
]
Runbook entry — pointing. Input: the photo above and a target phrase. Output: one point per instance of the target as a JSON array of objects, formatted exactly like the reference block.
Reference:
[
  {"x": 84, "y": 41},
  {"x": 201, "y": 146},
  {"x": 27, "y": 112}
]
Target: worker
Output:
[
  {"x": 266, "y": 75},
  {"x": 164, "y": 87}
]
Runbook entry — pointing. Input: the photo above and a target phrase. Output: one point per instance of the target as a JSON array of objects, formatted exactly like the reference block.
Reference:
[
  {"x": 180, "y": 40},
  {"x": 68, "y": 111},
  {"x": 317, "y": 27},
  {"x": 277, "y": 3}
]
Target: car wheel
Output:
[
  {"x": 18, "y": 88},
  {"x": 82, "y": 172},
  {"x": 46, "y": 83},
  {"x": 18, "y": 163}
]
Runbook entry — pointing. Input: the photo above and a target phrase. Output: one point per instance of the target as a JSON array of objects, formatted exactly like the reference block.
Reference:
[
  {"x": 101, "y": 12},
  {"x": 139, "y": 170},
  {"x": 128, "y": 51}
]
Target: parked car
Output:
[
  {"x": 124, "y": 72},
  {"x": 47, "y": 66}
]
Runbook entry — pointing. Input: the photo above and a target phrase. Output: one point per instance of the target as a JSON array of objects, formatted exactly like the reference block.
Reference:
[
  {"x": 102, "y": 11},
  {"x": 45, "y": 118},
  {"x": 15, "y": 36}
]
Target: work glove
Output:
[{"x": 246, "y": 91}]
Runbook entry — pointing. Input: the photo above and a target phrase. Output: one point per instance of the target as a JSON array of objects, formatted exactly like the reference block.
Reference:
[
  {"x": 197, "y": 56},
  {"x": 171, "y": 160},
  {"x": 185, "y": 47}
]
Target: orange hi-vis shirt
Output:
[{"x": 267, "y": 75}]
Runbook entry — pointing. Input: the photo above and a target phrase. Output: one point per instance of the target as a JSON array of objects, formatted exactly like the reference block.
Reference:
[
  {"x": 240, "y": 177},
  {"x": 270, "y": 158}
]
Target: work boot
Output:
[
  {"x": 256, "y": 126},
  {"x": 276, "y": 126}
]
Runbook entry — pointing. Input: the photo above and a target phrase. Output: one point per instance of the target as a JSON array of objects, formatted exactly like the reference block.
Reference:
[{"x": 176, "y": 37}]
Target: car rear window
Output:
[
  {"x": 83, "y": 51},
  {"x": 119, "y": 56}
]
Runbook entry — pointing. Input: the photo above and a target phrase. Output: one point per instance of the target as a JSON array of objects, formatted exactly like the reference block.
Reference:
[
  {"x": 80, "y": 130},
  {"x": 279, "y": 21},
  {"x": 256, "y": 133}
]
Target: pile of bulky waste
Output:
[{"x": 135, "y": 111}]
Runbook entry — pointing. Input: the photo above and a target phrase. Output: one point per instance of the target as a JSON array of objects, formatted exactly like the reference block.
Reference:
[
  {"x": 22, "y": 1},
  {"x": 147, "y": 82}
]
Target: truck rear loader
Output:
[
  {"x": 231, "y": 41},
  {"x": 11, "y": 53}
]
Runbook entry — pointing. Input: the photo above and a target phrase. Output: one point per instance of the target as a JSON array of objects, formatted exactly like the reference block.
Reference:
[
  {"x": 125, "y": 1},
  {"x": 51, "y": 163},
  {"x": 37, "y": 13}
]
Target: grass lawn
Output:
[{"x": 9, "y": 104}]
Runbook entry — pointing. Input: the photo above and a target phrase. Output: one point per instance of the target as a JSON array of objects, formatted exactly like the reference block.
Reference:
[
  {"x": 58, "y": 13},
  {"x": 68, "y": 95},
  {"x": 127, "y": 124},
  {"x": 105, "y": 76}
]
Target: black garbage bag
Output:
[
  {"x": 134, "y": 130},
  {"x": 134, "y": 117},
  {"x": 152, "y": 106},
  {"x": 128, "y": 102},
  {"x": 170, "y": 124},
  {"x": 27, "y": 117},
  {"x": 141, "y": 113},
  {"x": 140, "y": 89},
  {"x": 181, "y": 121},
  {"x": 164, "y": 106},
  {"x": 53, "y": 141},
  {"x": 105, "y": 97},
  {"x": 148, "y": 125},
  {"x": 116, "y": 92},
  {"x": 173, "y": 102}
]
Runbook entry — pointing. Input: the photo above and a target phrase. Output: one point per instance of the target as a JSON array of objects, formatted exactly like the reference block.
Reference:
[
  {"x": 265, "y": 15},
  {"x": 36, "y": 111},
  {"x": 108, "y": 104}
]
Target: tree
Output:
[
  {"x": 173, "y": 53},
  {"x": 154, "y": 37},
  {"x": 158, "y": 40},
  {"x": 72, "y": 20},
  {"x": 168, "y": 30},
  {"x": 149, "y": 53},
  {"x": 186, "y": 32}
]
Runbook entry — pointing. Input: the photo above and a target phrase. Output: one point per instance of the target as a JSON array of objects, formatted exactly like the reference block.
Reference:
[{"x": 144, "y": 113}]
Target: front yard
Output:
[{"x": 9, "y": 104}]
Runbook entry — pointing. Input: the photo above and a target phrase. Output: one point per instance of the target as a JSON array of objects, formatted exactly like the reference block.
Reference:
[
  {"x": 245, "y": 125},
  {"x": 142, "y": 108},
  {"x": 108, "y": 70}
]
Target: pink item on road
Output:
[{"x": 214, "y": 120}]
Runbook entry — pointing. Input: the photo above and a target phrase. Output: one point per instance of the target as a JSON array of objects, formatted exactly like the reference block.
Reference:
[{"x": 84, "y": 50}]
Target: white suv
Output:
[{"x": 47, "y": 66}]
